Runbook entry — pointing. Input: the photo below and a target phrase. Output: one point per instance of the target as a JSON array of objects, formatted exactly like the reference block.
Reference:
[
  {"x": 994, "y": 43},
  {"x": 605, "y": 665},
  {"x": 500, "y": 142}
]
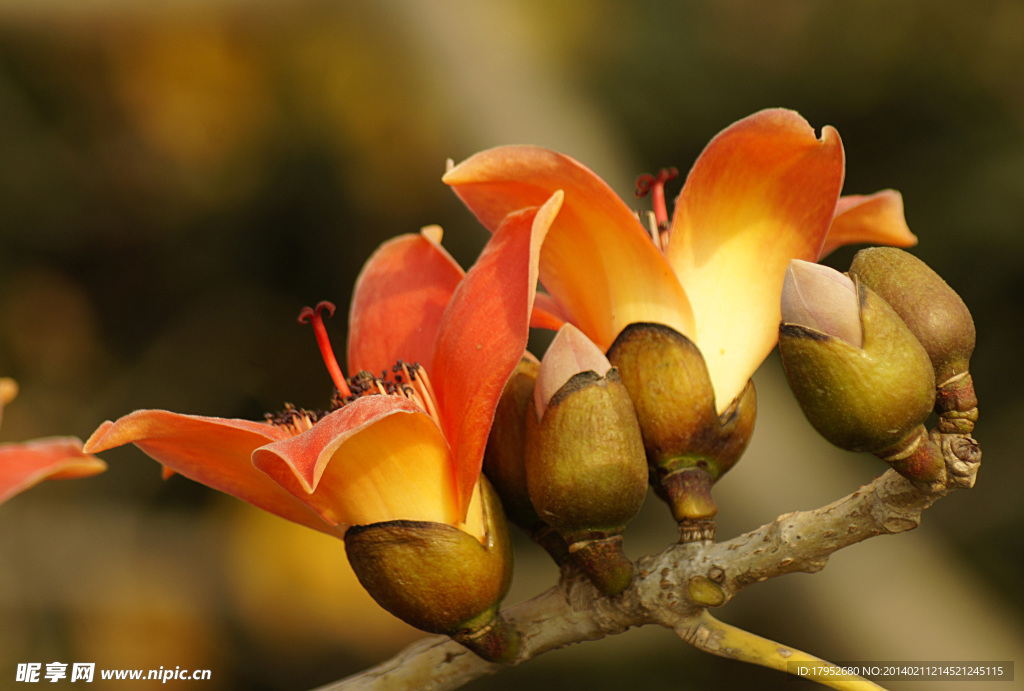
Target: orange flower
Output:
[
  {"x": 763, "y": 192},
  {"x": 397, "y": 443},
  {"x": 29, "y": 463}
]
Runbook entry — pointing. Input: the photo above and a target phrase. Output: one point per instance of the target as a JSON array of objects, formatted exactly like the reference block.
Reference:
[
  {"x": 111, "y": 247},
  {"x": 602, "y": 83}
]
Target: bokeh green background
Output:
[{"x": 178, "y": 179}]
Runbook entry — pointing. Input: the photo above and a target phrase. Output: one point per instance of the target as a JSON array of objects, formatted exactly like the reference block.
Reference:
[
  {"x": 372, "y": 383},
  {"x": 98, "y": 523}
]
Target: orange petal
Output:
[
  {"x": 213, "y": 451},
  {"x": 483, "y": 336},
  {"x": 57, "y": 458},
  {"x": 762, "y": 193},
  {"x": 398, "y": 301},
  {"x": 598, "y": 259},
  {"x": 875, "y": 219},
  {"x": 380, "y": 458}
]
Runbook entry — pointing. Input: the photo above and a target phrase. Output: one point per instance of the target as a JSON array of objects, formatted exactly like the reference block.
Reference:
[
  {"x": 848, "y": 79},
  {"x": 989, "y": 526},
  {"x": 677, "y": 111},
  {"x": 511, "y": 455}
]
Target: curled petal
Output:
[
  {"x": 399, "y": 298},
  {"x": 598, "y": 259},
  {"x": 57, "y": 458},
  {"x": 213, "y": 451},
  {"x": 484, "y": 334},
  {"x": 763, "y": 192},
  {"x": 875, "y": 219},
  {"x": 380, "y": 458}
]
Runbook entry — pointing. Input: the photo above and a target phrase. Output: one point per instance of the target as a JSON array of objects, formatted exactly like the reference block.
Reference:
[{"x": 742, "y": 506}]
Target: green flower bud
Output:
[
  {"x": 939, "y": 319},
  {"x": 505, "y": 458},
  {"x": 688, "y": 445},
  {"x": 874, "y": 397},
  {"x": 441, "y": 579},
  {"x": 585, "y": 465}
]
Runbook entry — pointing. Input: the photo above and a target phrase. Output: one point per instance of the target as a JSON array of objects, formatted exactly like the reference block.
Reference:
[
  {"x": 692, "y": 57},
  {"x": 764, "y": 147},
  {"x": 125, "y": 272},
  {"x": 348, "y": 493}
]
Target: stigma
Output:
[
  {"x": 408, "y": 380},
  {"x": 657, "y": 219}
]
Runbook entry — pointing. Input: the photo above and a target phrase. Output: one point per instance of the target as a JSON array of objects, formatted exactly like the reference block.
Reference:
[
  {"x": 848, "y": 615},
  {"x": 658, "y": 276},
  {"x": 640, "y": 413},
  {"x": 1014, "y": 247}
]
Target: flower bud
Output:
[
  {"x": 585, "y": 466},
  {"x": 441, "y": 579},
  {"x": 874, "y": 397},
  {"x": 688, "y": 445},
  {"x": 937, "y": 317},
  {"x": 505, "y": 458}
]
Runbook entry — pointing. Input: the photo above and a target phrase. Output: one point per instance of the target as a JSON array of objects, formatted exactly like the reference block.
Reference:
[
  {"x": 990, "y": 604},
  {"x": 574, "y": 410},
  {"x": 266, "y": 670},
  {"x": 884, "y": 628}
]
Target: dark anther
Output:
[
  {"x": 362, "y": 382},
  {"x": 290, "y": 414},
  {"x": 339, "y": 401},
  {"x": 405, "y": 367}
]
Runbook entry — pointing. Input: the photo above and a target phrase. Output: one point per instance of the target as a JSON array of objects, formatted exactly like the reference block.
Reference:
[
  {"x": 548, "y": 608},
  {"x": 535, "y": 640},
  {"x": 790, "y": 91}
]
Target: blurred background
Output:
[{"x": 179, "y": 178}]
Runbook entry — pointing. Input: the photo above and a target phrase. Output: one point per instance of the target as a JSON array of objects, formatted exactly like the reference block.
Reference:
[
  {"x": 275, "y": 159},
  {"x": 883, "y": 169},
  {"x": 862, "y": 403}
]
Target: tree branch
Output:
[{"x": 675, "y": 587}]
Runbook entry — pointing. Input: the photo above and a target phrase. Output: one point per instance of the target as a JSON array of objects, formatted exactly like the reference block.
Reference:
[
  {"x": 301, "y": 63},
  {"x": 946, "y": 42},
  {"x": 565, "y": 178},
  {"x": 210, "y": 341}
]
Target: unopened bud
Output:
[
  {"x": 937, "y": 317},
  {"x": 585, "y": 465},
  {"x": 688, "y": 444},
  {"x": 870, "y": 398},
  {"x": 505, "y": 458},
  {"x": 441, "y": 579},
  {"x": 569, "y": 354}
]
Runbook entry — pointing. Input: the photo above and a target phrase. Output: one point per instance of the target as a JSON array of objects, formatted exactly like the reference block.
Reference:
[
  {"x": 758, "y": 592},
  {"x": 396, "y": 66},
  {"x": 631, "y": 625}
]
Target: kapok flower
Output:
[
  {"x": 399, "y": 444},
  {"x": 764, "y": 191},
  {"x": 23, "y": 465}
]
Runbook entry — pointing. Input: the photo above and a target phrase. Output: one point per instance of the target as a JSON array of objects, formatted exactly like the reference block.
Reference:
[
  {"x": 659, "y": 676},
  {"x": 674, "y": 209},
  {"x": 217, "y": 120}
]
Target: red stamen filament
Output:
[
  {"x": 656, "y": 187},
  {"x": 310, "y": 315}
]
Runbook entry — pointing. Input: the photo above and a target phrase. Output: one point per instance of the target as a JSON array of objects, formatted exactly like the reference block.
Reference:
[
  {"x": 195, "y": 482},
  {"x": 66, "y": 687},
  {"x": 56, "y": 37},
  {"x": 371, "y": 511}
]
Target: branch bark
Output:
[{"x": 675, "y": 587}]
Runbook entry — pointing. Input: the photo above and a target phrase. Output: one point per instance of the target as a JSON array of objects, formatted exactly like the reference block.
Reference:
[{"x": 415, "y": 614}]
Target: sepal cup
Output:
[
  {"x": 441, "y": 579},
  {"x": 585, "y": 467},
  {"x": 689, "y": 446},
  {"x": 863, "y": 380}
]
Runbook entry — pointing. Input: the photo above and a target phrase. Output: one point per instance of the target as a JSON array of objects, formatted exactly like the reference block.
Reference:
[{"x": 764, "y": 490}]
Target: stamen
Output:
[
  {"x": 295, "y": 420},
  {"x": 652, "y": 228},
  {"x": 656, "y": 187},
  {"x": 310, "y": 315},
  {"x": 407, "y": 380},
  {"x": 426, "y": 392}
]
